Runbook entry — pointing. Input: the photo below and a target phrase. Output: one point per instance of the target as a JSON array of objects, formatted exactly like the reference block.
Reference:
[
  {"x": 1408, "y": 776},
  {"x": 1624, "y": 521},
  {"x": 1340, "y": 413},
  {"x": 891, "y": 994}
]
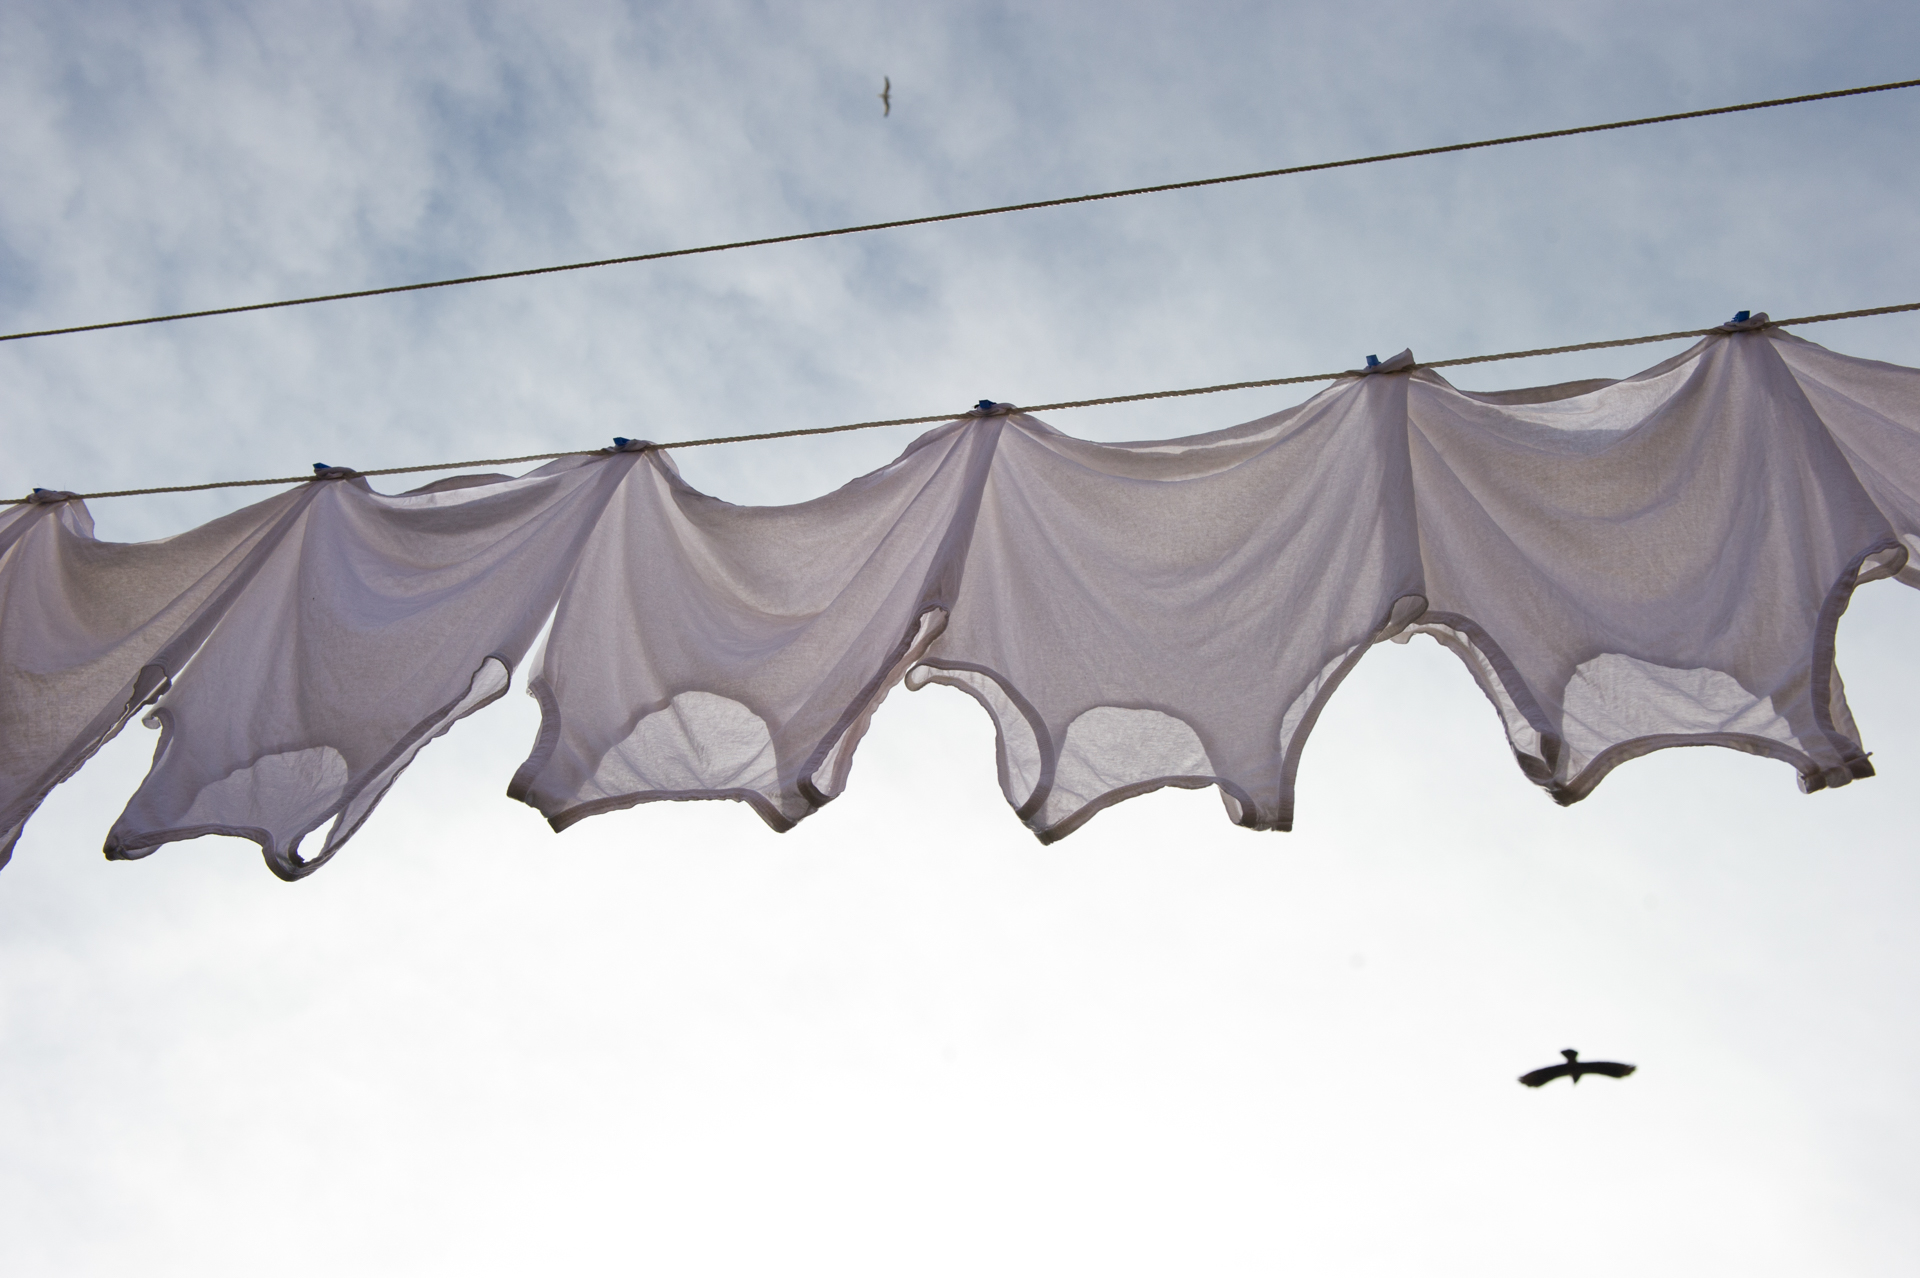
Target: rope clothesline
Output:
[
  {"x": 1023, "y": 207},
  {"x": 949, "y": 416}
]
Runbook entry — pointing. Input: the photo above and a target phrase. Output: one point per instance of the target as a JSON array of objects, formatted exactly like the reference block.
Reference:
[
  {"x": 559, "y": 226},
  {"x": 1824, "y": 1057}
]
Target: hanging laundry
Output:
[
  {"x": 1622, "y": 565},
  {"x": 706, "y": 650},
  {"x": 1654, "y": 562},
  {"x": 368, "y": 628},
  {"x": 1175, "y": 613},
  {"x": 91, "y": 631}
]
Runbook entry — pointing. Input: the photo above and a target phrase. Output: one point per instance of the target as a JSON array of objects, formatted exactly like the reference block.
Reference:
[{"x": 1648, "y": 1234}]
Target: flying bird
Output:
[
  {"x": 886, "y": 95},
  {"x": 1574, "y": 1068}
]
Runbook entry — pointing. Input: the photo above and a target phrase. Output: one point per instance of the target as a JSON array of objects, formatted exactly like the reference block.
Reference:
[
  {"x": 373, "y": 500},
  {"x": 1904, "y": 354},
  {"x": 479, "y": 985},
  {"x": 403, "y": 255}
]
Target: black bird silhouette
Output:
[
  {"x": 886, "y": 95},
  {"x": 1574, "y": 1068}
]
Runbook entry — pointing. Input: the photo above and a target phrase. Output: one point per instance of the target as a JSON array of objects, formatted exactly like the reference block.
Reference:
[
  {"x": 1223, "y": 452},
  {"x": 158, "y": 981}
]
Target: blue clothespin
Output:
[
  {"x": 1373, "y": 361},
  {"x": 43, "y": 490},
  {"x": 621, "y": 441},
  {"x": 321, "y": 468},
  {"x": 985, "y": 406},
  {"x": 1739, "y": 317}
]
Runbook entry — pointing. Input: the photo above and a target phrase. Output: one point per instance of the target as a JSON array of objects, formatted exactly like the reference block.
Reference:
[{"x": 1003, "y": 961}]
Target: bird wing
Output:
[
  {"x": 1541, "y": 1077},
  {"x": 1612, "y": 1069}
]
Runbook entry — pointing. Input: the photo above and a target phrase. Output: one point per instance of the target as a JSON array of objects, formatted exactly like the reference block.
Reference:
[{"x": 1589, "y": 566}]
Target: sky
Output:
[{"x": 905, "y": 1037}]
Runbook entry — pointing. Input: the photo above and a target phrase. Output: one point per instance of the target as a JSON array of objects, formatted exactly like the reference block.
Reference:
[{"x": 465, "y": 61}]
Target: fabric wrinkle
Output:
[
  {"x": 1675, "y": 585},
  {"x": 1131, "y": 594},
  {"x": 367, "y": 630},
  {"x": 91, "y": 632},
  {"x": 800, "y": 616}
]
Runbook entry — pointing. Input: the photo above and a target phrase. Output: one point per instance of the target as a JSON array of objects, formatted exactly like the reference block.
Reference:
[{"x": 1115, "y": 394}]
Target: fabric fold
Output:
[
  {"x": 92, "y": 631},
  {"x": 1176, "y": 612},
  {"x": 708, "y": 650},
  {"x": 1872, "y": 410},
  {"x": 1653, "y": 562},
  {"x": 371, "y": 626}
]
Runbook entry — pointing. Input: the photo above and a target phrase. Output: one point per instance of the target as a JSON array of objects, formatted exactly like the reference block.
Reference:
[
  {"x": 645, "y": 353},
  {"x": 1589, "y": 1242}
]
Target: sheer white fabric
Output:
[
  {"x": 1660, "y": 561},
  {"x": 1175, "y": 613},
  {"x": 1868, "y": 408},
  {"x": 1622, "y": 566},
  {"x": 371, "y": 626},
  {"x": 91, "y": 631},
  {"x": 706, "y": 650}
]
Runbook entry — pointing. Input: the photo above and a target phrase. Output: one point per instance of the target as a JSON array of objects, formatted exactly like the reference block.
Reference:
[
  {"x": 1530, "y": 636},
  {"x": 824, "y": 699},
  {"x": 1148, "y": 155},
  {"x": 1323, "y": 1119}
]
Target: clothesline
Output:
[
  {"x": 1026, "y": 206},
  {"x": 949, "y": 416}
]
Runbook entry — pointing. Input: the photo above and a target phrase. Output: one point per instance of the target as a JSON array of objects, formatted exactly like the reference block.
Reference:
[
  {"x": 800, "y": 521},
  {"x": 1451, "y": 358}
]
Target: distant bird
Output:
[
  {"x": 886, "y": 96},
  {"x": 1574, "y": 1068}
]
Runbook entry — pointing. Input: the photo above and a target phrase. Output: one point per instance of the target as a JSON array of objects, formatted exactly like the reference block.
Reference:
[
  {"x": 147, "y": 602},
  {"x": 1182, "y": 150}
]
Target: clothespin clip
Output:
[
  {"x": 323, "y": 471},
  {"x": 1740, "y": 317},
  {"x": 621, "y": 444},
  {"x": 1394, "y": 364},
  {"x": 48, "y": 496},
  {"x": 1744, "y": 322},
  {"x": 984, "y": 407}
]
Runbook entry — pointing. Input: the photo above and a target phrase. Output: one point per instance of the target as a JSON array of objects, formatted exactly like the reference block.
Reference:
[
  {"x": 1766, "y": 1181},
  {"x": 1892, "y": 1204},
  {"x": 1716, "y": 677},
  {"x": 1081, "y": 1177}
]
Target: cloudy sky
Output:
[{"x": 906, "y": 1039}]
